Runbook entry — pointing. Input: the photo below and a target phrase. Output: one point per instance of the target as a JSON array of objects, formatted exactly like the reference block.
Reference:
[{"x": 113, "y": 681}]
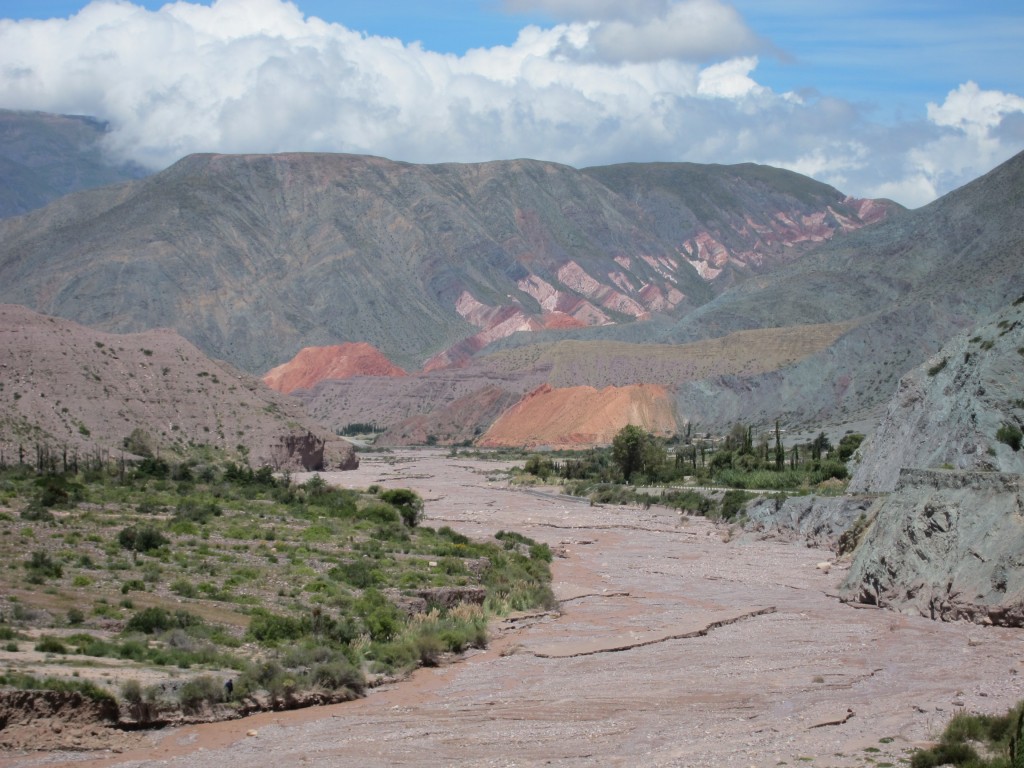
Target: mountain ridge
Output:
[{"x": 416, "y": 260}]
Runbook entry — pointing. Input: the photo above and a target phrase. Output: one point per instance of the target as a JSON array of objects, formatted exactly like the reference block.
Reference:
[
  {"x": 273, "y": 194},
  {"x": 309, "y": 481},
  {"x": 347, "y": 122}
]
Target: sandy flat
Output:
[{"x": 672, "y": 648}]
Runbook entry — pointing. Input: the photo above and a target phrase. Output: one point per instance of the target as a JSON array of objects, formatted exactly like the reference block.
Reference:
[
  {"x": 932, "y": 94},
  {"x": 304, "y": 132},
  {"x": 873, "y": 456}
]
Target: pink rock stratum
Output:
[{"x": 810, "y": 679}]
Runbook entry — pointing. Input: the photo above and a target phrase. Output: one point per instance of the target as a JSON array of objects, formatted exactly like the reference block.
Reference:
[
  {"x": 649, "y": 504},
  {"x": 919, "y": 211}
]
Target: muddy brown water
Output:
[{"x": 672, "y": 648}]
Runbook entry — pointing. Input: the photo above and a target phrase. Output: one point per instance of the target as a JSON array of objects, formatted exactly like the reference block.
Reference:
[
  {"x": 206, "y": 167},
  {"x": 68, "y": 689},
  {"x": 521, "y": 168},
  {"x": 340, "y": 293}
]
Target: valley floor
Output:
[{"x": 673, "y": 647}]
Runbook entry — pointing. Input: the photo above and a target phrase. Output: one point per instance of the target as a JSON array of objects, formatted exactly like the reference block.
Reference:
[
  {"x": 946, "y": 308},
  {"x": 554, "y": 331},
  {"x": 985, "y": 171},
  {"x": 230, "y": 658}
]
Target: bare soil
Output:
[
  {"x": 677, "y": 644},
  {"x": 572, "y": 417}
]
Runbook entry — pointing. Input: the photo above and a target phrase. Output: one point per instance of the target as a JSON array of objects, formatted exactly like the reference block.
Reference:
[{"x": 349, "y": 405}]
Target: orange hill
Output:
[
  {"x": 341, "y": 361},
  {"x": 574, "y": 417}
]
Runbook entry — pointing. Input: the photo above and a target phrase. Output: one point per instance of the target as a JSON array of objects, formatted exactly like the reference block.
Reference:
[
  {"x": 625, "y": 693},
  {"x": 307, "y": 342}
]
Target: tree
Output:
[
  {"x": 820, "y": 445},
  {"x": 780, "y": 454},
  {"x": 636, "y": 451}
]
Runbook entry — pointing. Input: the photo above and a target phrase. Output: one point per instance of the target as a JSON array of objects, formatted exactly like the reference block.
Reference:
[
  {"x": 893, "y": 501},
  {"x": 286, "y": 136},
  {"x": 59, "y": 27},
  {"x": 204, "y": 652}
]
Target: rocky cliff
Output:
[
  {"x": 946, "y": 544},
  {"x": 949, "y": 412},
  {"x": 947, "y": 539}
]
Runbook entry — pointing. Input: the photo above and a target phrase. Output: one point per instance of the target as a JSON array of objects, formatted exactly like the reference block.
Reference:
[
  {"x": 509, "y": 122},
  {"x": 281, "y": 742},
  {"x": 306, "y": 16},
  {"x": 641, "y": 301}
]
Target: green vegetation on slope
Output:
[
  {"x": 228, "y": 573},
  {"x": 978, "y": 741}
]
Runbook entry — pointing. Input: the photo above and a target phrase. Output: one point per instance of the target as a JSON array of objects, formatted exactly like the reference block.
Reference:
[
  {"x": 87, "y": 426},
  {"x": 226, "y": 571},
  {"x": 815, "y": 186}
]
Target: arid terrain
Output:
[{"x": 678, "y": 643}]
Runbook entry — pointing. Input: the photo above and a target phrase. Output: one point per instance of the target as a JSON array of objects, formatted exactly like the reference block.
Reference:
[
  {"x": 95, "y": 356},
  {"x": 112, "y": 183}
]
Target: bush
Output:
[
  {"x": 184, "y": 588},
  {"x": 192, "y": 511},
  {"x": 267, "y": 627},
  {"x": 142, "y": 539},
  {"x": 200, "y": 691},
  {"x": 131, "y": 691},
  {"x": 408, "y": 503},
  {"x": 29, "y": 683},
  {"x": 1011, "y": 435},
  {"x": 964, "y": 730},
  {"x": 49, "y": 644},
  {"x": 688, "y": 501},
  {"x": 733, "y": 502},
  {"x": 57, "y": 491},
  {"x": 359, "y": 573},
  {"x": 337, "y": 674},
  {"x": 156, "y": 619},
  {"x": 41, "y": 566},
  {"x": 945, "y": 754},
  {"x": 379, "y": 513}
]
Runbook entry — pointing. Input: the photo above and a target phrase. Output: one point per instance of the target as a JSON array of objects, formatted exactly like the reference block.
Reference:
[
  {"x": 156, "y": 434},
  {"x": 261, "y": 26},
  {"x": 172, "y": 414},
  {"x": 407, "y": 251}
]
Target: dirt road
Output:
[{"x": 672, "y": 648}]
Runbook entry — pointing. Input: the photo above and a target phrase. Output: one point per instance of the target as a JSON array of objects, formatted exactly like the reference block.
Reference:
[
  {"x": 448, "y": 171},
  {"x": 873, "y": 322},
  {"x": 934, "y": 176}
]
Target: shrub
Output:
[
  {"x": 732, "y": 503},
  {"x": 57, "y": 491},
  {"x": 200, "y": 691},
  {"x": 145, "y": 538},
  {"x": 156, "y": 619},
  {"x": 996, "y": 733},
  {"x": 49, "y": 644},
  {"x": 408, "y": 503},
  {"x": 191, "y": 511},
  {"x": 1011, "y": 435},
  {"x": 29, "y": 683},
  {"x": 131, "y": 692},
  {"x": 359, "y": 573},
  {"x": 184, "y": 588},
  {"x": 379, "y": 512},
  {"x": 688, "y": 501},
  {"x": 267, "y": 627},
  {"x": 337, "y": 674},
  {"x": 41, "y": 566},
  {"x": 153, "y": 467}
]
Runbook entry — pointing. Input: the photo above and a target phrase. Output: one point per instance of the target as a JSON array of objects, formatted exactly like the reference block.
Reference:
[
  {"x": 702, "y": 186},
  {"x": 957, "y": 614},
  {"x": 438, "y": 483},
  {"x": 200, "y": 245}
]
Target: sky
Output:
[{"x": 880, "y": 98}]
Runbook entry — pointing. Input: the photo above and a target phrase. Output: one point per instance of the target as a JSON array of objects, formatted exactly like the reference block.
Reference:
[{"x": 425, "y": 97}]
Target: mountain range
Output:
[
  {"x": 739, "y": 292},
  {"x": 45, "y": 156}
]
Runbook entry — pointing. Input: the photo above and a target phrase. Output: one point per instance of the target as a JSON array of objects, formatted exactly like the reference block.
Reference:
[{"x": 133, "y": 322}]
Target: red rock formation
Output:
[
  {"x": 341, "y": 361},
  {"x": 573, "y": 417}
]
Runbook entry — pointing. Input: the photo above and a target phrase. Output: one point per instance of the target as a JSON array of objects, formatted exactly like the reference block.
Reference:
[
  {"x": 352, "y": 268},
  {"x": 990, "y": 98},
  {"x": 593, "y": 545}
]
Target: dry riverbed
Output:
[{"x": 674, "y": 646}]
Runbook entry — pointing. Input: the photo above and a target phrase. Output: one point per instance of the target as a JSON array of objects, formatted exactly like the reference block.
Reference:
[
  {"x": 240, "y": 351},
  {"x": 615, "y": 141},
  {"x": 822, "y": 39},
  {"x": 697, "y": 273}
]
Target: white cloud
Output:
[
  {"x": 965, "y": 146},
  {"x": 973, "y": 110},
  {"x": 593, "y": 10},
  {"x": 696, "y": 30},
  {"x": 256, "y": 76}
]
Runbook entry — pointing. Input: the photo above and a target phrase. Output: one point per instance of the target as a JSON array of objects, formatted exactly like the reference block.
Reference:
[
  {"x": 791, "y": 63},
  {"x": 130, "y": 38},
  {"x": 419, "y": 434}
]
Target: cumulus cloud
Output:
[
  {"x": 592, "y": 10},
  {"x": 258, "y": 76}
]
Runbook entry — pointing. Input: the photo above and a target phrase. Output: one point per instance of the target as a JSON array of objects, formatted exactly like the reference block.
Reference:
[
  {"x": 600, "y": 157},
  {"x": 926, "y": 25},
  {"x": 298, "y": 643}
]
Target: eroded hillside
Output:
[
  {"x": 946, "y": 540},
  {"x": 340, "y": 361},
  {"x": 75, "y": 390}
]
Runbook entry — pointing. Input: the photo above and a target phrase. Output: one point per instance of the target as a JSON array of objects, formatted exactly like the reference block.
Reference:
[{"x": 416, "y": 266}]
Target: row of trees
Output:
[{"x": 738, "y": 459}]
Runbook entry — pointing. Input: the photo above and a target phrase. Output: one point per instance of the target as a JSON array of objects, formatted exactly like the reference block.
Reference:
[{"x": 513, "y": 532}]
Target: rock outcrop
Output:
[
  {"x": 818, "y": 520},
  {"x": 946, "y": 544},
  {"x": 948, "y": 540},
  {"x": 949, "y": 411},
  {"x": 311, "y": 453}
]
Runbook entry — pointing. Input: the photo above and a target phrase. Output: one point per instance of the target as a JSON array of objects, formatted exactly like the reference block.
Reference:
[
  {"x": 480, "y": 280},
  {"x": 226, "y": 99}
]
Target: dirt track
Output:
[{"x": 673, "y": 648}]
